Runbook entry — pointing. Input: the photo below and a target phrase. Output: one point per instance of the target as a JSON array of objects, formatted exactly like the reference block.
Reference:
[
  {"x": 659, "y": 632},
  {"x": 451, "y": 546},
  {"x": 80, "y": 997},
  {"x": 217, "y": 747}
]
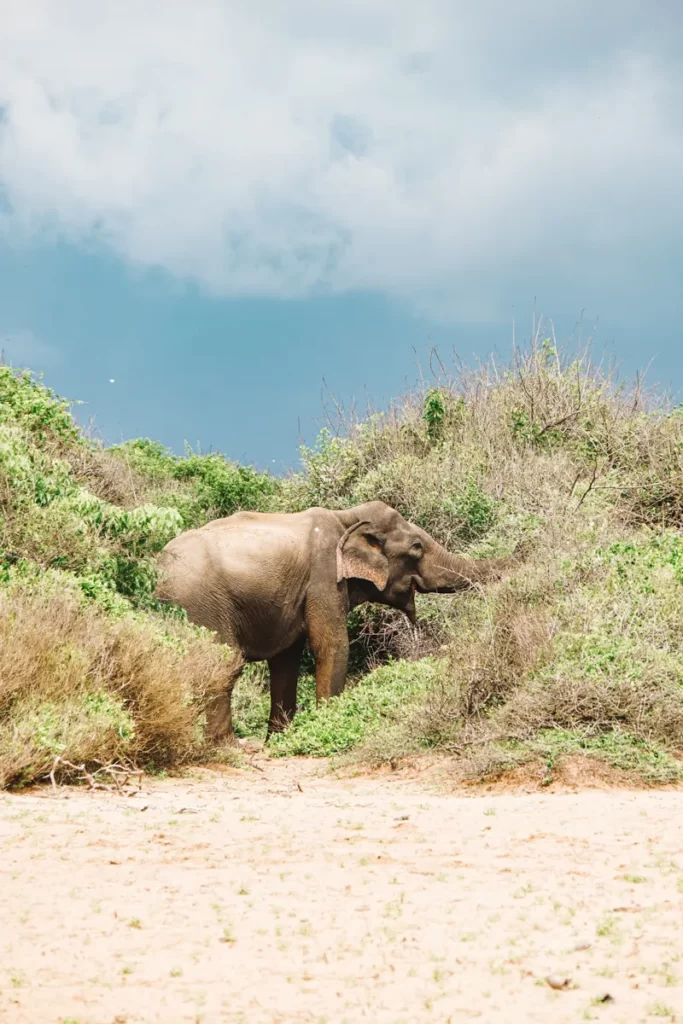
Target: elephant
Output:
[{"x": 267, "y": 582}]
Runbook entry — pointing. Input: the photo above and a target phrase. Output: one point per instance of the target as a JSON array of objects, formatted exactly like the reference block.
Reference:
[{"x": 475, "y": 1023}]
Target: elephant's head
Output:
[{"x": 393, "y": 559}]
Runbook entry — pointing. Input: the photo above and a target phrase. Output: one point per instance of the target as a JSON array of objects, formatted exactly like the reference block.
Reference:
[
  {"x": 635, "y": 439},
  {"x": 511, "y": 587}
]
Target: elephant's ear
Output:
[{"x": 359, "y": 555}]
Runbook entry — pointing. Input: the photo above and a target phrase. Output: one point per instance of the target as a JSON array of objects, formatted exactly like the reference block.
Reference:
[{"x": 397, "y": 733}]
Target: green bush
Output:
[
  {"x": 52, "y": 518},
  {"x": 200, "y": 486},
  {"x": 26, "y": 403},
  {"x": 344, "y": 722},
  {"x": 251, "y": 702},
  {"x": 94, "y": 684},
  {"x": 225, "y": 487},
  {"x": 148, "y": 459},
  {"x": 644, "y": 760}
]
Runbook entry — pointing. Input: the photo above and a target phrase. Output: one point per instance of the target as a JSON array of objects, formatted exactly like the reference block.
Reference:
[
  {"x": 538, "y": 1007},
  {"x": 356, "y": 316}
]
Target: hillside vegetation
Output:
[{"x": 580, "y": 652}]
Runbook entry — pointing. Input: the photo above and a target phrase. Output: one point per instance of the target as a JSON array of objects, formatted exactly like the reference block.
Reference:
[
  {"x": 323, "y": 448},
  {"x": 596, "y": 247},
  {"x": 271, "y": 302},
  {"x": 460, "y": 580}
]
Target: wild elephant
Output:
[{"x": 267, "y": 582}]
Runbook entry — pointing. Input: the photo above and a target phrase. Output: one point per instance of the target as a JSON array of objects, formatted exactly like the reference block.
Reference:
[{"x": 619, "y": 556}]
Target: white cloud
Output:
[{"x": 278, "y": 148}]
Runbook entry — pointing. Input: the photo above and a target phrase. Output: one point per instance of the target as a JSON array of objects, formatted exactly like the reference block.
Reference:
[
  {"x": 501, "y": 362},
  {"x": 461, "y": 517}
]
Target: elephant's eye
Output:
[{"x": 416, "y": 548}]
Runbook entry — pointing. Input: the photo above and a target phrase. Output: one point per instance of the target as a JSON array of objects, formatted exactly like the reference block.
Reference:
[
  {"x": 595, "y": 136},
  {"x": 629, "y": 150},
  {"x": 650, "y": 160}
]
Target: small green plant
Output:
[
  {"x": 434, "y": 414},
  {"x": 661, "y": 1010},
  {"x": 606, "y": 927},
  {"x": 474, "y": 513}
]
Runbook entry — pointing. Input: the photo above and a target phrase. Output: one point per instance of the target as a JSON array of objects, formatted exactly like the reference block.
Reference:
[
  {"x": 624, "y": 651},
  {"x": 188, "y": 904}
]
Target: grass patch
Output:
[{"x": 649, "y": 761}]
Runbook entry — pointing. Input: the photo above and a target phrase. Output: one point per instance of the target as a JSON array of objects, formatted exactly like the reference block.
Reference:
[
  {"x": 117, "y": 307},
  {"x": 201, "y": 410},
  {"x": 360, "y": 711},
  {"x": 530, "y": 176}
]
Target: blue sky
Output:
[{"x": 235, "y": 202}]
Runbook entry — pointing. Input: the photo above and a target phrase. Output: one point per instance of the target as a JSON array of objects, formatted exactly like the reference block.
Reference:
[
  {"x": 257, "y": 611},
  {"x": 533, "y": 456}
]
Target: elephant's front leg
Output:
[
  {"x": 284, "y": 674},
  {"x": 329, "y": 640}
]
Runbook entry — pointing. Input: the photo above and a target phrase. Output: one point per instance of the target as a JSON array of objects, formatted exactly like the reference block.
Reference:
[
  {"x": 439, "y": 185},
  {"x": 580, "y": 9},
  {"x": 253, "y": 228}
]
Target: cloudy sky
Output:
[{"x": 217, "y": 205}]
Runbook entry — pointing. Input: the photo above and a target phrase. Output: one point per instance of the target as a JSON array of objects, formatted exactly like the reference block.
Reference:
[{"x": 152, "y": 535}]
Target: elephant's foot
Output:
[{"x": 227, "y": 740}]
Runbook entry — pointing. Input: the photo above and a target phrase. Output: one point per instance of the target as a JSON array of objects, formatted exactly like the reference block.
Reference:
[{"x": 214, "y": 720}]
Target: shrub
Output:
[
  {"x": 617, "y": 656},
  {"x": 547, "y": 431},
  {"x": 34, "y": 408},
  {"x": 344, "y": 722},
  {"x": 590, "y": 651},
  {"x": 558, "y": 455},
  {"x": 200, "y": 487},
  {"x": 222, "y": 486},
  {"x": 79, "y": 683}
]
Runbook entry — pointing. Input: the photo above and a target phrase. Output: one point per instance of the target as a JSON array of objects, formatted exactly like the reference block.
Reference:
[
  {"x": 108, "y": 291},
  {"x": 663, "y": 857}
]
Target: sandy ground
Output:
[{"x": 281, "y": 896}]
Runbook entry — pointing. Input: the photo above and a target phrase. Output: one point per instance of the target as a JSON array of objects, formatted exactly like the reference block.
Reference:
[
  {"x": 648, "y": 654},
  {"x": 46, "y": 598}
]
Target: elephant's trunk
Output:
[{"x": 444, "y": 573}]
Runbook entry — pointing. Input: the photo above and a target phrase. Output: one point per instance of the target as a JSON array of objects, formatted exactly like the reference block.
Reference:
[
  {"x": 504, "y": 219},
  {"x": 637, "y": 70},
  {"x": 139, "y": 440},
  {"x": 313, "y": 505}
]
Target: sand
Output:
[{"x": 281, "y": 895}]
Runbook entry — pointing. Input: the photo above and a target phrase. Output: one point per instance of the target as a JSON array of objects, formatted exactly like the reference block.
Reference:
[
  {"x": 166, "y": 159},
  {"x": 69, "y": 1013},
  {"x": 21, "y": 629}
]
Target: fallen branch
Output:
[{"x": 120, "y": 775}]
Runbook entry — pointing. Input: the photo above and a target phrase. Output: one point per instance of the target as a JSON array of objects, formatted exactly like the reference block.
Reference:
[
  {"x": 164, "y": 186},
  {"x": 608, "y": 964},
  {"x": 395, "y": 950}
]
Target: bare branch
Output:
[{"x": 120, "y": 775}]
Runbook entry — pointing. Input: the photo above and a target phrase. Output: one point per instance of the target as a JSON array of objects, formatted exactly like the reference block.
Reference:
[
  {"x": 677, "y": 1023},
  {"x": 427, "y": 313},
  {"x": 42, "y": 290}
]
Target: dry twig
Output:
[{"x": 121, "y": 776}]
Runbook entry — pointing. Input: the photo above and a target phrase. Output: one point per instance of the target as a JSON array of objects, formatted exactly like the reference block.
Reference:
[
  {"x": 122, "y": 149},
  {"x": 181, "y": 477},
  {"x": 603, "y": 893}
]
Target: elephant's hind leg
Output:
[
  {"x": 219, "y": 729},
  {"x": 284, "y": 675}
]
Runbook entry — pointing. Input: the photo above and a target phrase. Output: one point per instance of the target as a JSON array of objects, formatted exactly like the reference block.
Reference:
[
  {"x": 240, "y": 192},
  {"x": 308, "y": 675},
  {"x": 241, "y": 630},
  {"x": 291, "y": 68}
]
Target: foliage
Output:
[
  {"x": 578, "y": 652},
  {"x": 643, "y": 760},
  {"x": 64, "y": 503},
  {"x": 149, "y": 459},
  {"x": 87, "y": 655},
  {"x": 223, "y": 487},
  {"x": 251, "y": 701},
  {"x": 200, "y": 487},
  {"x": 341, "y": 724},
  {"x": 95, "y": 687},
  {"x": 574, "y": 655},
  {"x": 434, "y": 413},
  {"x": 35, "y": 409},
  {"x": 586, "y": 474}
]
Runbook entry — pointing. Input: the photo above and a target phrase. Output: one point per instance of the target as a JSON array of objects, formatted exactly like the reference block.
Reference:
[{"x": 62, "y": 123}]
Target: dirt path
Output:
[{"x": 259, "y": 899}]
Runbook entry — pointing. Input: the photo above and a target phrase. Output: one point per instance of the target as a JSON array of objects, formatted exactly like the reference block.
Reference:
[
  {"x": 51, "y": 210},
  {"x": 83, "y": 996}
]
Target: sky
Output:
[{"x": 211, "y": 214}]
